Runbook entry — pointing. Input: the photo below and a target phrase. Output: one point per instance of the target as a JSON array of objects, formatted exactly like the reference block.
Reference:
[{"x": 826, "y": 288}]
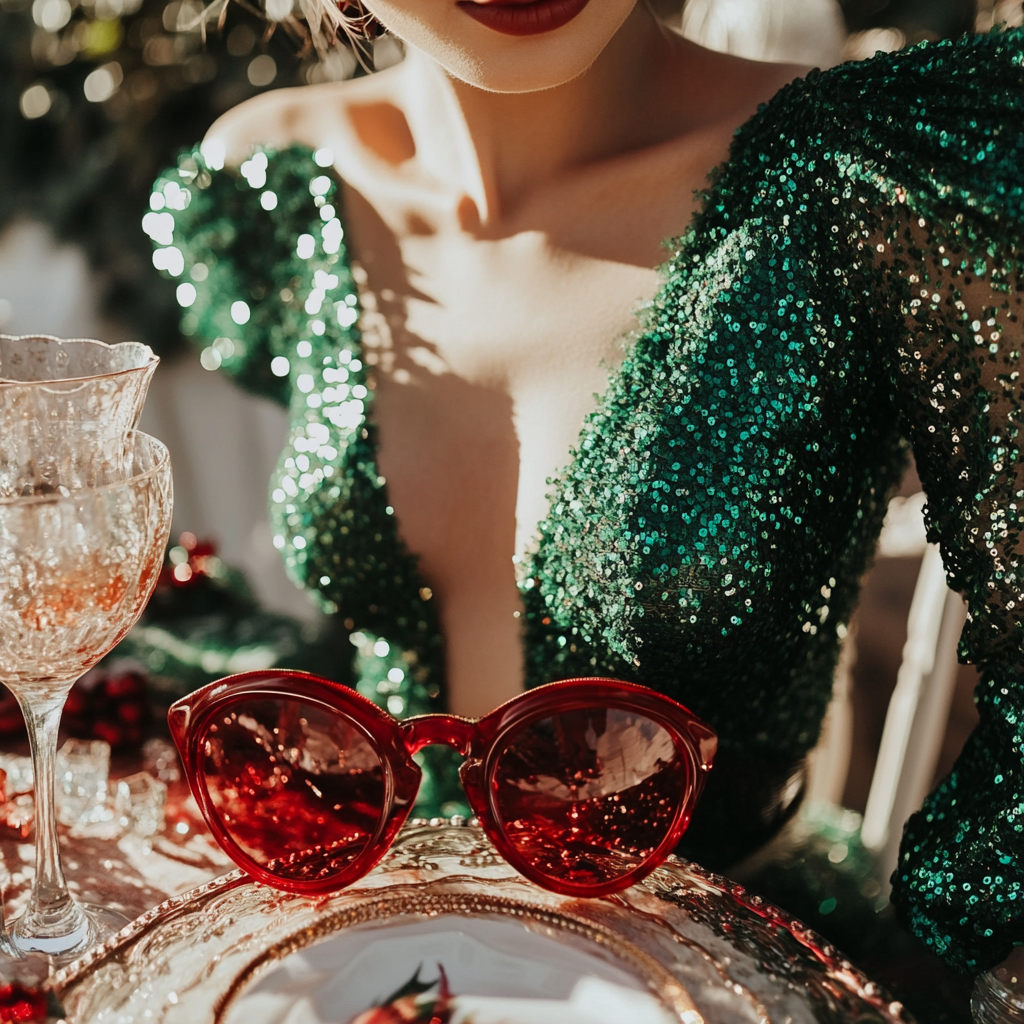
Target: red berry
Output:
[{"x": 110, "y": 732}]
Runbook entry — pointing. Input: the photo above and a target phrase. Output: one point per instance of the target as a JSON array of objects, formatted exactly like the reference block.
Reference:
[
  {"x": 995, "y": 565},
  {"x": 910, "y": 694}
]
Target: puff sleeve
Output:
[{"x": 246, "y": 245}]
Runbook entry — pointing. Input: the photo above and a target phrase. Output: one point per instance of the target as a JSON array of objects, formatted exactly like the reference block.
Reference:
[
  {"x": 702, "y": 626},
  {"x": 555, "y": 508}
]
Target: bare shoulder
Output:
[
  {"x": 309, "y": 115},
  {"x": 768, "y": 78},
  {"x": 741, "y": 85}
]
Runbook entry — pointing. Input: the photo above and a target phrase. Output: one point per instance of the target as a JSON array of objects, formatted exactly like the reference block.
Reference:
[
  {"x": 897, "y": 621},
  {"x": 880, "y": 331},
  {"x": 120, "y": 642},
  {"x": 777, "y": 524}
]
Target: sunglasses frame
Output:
[{"x": 480, "y": 742}]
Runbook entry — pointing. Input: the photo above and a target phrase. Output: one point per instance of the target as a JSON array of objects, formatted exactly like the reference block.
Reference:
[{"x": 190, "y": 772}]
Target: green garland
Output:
[{"x": 82, "y": 161}]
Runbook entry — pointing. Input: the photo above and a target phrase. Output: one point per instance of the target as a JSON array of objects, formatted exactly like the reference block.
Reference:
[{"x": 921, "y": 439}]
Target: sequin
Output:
[{"x": 852, "y": 287}]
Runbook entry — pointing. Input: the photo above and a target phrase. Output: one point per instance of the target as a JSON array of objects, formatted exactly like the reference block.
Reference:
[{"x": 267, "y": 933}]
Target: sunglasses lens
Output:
[
  {"x": 299, "y": 789},
  {"x": 586, "y": 796}
]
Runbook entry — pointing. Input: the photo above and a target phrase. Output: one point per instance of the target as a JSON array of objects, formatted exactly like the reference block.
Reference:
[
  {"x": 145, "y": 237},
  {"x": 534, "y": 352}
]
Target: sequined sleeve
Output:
[
  {"x": 926, "y": 153},
  {"x": 245, "y": 245}
]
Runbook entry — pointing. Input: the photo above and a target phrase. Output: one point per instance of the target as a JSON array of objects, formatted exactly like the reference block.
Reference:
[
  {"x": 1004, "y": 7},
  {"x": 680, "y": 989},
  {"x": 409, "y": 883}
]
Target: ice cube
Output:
[
  {"x": 139, "y": 804},
  {"x": 159, "y": 758},
  {"x": 19, "y": 774},
  {"x": 18, "y": 814},
  {"x": 83, "y": 767}
]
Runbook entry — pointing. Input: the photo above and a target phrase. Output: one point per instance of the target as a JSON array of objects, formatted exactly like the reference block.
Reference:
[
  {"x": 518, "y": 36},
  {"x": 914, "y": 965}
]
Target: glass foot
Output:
[{"x": 95, "y": 925}]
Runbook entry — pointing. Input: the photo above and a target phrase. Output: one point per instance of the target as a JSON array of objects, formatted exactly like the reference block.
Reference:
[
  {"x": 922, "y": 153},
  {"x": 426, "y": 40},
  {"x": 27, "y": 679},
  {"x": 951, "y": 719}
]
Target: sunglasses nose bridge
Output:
[{"x": 444, "y": 730}]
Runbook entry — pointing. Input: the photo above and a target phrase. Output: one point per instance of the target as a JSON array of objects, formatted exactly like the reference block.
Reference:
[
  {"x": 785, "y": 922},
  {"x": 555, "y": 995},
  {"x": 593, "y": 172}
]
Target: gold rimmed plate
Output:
[{"x": 682, "y": 946}]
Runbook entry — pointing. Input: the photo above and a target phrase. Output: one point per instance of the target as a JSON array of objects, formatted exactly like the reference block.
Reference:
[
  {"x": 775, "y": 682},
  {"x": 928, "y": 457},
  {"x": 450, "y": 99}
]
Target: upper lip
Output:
[{"x": 503, "y": 3}]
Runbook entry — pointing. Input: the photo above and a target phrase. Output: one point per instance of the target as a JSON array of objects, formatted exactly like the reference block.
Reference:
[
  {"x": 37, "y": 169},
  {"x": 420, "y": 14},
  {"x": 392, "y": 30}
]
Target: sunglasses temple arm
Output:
[
  {"x": 177, "y": 721},
  {"x": 706, "y": 743}
]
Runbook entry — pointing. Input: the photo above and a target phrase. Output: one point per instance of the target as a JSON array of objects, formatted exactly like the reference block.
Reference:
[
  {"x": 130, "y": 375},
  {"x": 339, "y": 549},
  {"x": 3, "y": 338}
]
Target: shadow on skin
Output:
[{"x": 454, "y": 490}]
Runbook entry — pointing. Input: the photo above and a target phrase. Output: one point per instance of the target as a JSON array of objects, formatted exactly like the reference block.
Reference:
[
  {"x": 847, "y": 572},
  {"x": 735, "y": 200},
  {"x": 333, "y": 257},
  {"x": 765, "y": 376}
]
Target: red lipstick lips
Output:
[{"x": 523, "y": 17}]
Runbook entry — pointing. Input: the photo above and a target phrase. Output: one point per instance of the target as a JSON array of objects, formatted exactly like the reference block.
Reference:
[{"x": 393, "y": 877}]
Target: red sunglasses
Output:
[{"x": 584, "y": 786}]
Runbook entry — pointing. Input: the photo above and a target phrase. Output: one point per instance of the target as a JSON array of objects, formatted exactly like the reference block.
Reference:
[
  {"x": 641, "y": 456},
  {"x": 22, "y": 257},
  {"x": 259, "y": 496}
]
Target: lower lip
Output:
[{"x": 524, "y": 19}]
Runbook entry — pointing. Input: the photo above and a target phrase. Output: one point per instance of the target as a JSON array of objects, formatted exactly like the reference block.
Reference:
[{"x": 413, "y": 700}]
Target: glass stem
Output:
[{"x": 51, "y": 912}]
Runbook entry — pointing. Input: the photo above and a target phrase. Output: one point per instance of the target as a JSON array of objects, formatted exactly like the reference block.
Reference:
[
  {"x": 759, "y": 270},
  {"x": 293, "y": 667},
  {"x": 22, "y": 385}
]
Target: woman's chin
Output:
[
  {"x": 503, "y": 61},
  {"x": 515, "y": 76}
]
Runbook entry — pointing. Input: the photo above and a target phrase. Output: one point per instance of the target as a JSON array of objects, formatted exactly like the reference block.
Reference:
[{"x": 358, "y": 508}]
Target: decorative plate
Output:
[{"x": 444, "y": 930}]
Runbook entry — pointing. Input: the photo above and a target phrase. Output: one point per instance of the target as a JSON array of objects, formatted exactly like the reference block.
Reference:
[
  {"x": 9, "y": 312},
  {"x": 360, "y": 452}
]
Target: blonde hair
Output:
[{"x": 321, "y": 25}]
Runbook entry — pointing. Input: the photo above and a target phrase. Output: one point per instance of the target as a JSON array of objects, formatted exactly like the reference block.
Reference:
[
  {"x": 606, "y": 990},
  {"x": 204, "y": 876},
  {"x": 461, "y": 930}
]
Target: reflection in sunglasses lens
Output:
[
  {"x": 587, "y": 796},
  {"x": 299, "y": 789}
]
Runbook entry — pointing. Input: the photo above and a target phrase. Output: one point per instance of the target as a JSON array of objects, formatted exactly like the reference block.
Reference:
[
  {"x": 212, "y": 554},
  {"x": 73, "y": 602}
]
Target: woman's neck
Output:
[{"x": 499, "y": 147}]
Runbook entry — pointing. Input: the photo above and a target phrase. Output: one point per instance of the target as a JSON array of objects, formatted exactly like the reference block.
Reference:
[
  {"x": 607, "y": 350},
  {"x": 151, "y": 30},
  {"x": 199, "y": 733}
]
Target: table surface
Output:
[{"x": 131, "y": 874}]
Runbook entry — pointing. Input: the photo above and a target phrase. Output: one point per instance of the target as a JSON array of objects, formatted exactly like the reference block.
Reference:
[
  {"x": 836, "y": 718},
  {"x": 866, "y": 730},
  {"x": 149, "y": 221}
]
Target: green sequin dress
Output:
[{"x": 852, "y": 287}]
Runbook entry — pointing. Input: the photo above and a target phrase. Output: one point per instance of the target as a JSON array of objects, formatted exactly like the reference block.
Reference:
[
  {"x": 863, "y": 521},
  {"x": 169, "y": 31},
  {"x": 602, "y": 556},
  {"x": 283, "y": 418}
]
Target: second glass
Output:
[{"x": 67, "y": 409}]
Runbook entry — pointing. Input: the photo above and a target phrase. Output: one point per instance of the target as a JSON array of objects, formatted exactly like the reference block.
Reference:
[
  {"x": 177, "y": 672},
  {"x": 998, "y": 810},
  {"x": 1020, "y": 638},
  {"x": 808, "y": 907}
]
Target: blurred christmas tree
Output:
[{"x": 98, "y": 96}]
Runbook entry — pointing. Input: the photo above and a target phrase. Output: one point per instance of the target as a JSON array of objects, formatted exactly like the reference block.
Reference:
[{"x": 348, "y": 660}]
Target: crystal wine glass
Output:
[{"x": 76, "y": 571}]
